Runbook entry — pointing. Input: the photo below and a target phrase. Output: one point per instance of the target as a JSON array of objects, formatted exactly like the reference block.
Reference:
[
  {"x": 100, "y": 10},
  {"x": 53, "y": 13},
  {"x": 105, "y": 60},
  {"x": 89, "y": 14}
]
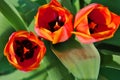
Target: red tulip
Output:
[
  {"x": 24, "y": 50},
  {"x": 94, "y": 23},
  {"x": 53, "y": 22}
]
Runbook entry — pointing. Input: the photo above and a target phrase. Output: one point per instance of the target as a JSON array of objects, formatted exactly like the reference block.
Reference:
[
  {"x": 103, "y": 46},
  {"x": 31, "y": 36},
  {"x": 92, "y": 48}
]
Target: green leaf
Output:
[
  {"x": 81, "y": 60},
  {"x": 101, "y": 77},
  {"x": 47, "y": 1},
  {"x": 114, "y": 41},
  {"x": 5, "y": 32},
  {"x": 27, "y": 9},
  {"x": 108, "y": 49},
  {"x": 41, "y": 2},
  {"x": 110, "y": 61},
  {"x": 9, "y": 11},
  {"x": 76, "y": 4},
  {"x": 68, "y": 5},
  {"x": 39, "y": 73},
  {"x": 87, "y": 1},
  {"x": 115, "y": 63},
  {"x": 110, "y": 73},
  {"x": 31, "y": 26},
  {"x": 57, "y": 71},
  {"x": 5, "y": 68},
  {"x": 110, "y": 46}
]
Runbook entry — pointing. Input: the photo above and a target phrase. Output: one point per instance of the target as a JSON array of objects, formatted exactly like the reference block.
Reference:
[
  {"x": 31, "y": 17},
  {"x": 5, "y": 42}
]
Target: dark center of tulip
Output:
[
  {"x": 56, "y": 24},
  {"x": 92, "y": 26},
  {"x": 24, "y": 49}
]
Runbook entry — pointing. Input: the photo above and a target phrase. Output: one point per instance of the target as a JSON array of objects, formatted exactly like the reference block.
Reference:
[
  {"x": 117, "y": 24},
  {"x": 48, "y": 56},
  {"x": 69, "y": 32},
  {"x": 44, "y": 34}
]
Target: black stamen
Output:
[
  {"x": 89, "y": 20},
  {"x": 91, "y": 31},
  {"x": 60, "y": 23},
  {"x": 53, "y": 23},
  {"x": 59, "y": 20},
  {"x": 19, "y": 49},
  {"x": 29, "y": 54},
  {"x": 21, "y": 59},
  {"x": 26, "y": 43}
]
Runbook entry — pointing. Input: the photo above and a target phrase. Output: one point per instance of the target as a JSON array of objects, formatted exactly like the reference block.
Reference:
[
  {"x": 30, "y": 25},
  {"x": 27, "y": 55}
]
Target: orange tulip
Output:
[
  {"x": 53, "y": 22},
  {"x": 95, "y": 23},
  {"x": 24, "y": 50}
]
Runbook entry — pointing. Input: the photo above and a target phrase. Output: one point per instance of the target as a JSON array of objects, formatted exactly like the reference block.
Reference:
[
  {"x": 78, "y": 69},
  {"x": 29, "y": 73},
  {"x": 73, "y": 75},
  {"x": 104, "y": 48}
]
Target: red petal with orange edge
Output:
[{"x": 83, "y": 13}]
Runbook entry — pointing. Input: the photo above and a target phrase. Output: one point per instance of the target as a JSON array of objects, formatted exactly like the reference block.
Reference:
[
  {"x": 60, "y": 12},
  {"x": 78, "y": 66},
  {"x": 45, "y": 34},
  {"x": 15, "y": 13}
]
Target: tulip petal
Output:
[
  {"x": 83, "y": 13},
  {"x": 95, "y": 23},
  {"x": 24, "y": 60},
  {"x": 100, "y": 15},
  {"x": 55, "y": 3},
  {"x": 53, "y": 22},
  {"x": 44, "y": 33}
]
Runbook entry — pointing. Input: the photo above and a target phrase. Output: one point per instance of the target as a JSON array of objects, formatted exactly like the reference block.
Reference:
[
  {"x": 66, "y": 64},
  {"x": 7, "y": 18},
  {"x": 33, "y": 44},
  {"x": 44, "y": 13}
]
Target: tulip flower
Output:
[
  {"x": 24, "y": 50},
  {"x": 95, "y": 22},
  {"x": 53, "y": 22}
]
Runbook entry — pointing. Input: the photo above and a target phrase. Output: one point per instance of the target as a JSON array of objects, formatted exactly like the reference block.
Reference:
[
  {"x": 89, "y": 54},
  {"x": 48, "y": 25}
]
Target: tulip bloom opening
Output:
[
  {"x": 24, "y": 50},
  {"x": 95, "y": 23},
  {"x": 53, "y": 22}
]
